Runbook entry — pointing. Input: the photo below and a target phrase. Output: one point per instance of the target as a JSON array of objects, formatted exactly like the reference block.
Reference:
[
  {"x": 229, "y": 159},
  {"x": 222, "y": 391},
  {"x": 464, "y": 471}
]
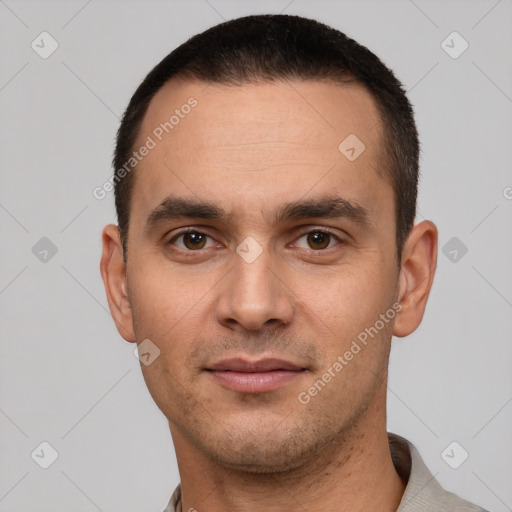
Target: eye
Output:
[
  {"x": 192, "y": 240},
  {"x": 319, "y": 239}
]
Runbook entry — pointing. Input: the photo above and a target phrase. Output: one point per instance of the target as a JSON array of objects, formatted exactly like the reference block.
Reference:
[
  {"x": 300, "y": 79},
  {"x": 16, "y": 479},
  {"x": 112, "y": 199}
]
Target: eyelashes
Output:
[{"x": 195, "y": 240}]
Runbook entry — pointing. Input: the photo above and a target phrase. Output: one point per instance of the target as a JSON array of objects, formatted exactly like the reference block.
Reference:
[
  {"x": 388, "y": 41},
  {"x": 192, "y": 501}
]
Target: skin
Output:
[{"x": 250, "y": 149}]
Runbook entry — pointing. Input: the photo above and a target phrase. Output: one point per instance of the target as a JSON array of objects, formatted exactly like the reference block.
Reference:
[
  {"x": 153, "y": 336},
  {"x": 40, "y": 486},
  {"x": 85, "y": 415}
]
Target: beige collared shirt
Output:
[{"x": 422, "y": 493}]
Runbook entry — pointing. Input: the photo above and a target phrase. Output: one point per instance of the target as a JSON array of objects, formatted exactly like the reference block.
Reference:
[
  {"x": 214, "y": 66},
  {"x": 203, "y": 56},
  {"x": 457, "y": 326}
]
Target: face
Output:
[{"x": 291, "y": 259}]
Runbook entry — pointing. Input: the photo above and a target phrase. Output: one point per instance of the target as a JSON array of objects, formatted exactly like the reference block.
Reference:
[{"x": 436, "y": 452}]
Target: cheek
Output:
[
  {"x": 173, "y": 310},
  {"x": 167, "y": 313},
  {"x": 353, "y": 340},
  {"x": 347, "y": 300},
  {"x": 163, "y": 297}
]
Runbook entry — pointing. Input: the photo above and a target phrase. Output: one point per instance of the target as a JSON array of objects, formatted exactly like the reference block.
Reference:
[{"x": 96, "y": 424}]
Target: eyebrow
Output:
[{"x": 175, "y": 208}]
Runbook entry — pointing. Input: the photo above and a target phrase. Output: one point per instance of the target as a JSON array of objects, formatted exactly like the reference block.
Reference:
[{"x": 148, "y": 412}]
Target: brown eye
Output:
[
  {"x": 318, "y": 240},
  {"x": 194, "y": 240},
  {"x": 191, "y": 240}
]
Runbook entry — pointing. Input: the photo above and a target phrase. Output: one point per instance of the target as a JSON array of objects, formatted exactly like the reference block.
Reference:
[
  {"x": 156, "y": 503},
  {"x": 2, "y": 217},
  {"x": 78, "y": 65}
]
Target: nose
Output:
[{"x": 253, "y": 295}]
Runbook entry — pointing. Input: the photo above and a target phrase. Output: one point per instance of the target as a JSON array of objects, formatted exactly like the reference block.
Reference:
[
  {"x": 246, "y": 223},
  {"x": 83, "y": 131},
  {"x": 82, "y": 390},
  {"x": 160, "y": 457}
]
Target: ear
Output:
[
  {"x": 419, "y": 261},
  {"x": 113, "y": 272}
]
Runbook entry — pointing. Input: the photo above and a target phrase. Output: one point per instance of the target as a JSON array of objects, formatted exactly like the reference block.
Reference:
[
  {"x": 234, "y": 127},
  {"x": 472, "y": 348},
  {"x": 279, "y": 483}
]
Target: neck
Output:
[{"x": 353, "y": 474}]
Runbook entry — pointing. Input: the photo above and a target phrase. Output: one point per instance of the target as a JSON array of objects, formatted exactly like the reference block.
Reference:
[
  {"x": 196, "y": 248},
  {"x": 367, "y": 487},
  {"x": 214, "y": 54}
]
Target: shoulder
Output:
[
  {"x": 423, "y": 493},
  {"x": 174, "y": 504}
]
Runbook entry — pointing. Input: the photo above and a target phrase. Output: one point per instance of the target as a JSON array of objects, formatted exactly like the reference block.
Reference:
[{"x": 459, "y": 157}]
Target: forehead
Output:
[{"x": 260, "y": 143}]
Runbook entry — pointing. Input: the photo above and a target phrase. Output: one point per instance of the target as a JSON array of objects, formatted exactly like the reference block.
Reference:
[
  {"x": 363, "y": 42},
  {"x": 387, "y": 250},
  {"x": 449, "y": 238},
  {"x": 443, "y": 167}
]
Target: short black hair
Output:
[{"x": 266, "y": 48}]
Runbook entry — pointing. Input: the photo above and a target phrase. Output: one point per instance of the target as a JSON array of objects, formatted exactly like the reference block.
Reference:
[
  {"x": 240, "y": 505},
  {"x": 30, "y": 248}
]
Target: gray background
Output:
[{"x": 69, "y": 379}]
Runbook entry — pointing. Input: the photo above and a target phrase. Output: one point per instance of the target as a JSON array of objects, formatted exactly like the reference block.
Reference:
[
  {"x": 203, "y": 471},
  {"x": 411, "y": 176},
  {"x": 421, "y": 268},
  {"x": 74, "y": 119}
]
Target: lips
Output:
[
  {"x": 261, "y": 376},
  {"x": 263, "y": 365}
]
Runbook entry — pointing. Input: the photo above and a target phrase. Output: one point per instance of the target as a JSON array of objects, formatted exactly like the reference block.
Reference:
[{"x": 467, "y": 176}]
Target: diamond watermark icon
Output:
[
  {"x": 351, "y": 147},
  {"x": 454, "y": 455},
  {"x": 454, "y": 249},
  {"x": 44, "y": 250},
  {"x": 44, "y": 455},
  {"x": 249, "y": 250},
  {"x": 454, "y": 45},
  {"x": 146, "y": 352},
  {"x": 44, "y": 45}
]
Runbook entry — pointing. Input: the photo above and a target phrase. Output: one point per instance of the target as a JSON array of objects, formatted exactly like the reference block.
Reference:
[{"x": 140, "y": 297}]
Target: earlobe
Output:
[
  {"x": 113, "y": 273},
  {"x": 419, "y": 261}
]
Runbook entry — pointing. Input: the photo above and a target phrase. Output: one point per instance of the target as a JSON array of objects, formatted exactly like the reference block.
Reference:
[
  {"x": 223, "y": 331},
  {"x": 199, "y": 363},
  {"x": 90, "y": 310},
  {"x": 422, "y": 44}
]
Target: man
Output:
[{"x": 266, "y": 180}]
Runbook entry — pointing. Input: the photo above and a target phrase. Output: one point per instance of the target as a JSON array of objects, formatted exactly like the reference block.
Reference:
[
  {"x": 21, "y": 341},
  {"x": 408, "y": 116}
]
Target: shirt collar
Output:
[{"x": 421, "y": 489}]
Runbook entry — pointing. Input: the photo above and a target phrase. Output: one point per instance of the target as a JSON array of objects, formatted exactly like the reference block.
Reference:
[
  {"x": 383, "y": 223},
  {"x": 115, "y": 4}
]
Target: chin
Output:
[
  {"x": 277, "y": 449},
  {"x": 256, "y": 459}
]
